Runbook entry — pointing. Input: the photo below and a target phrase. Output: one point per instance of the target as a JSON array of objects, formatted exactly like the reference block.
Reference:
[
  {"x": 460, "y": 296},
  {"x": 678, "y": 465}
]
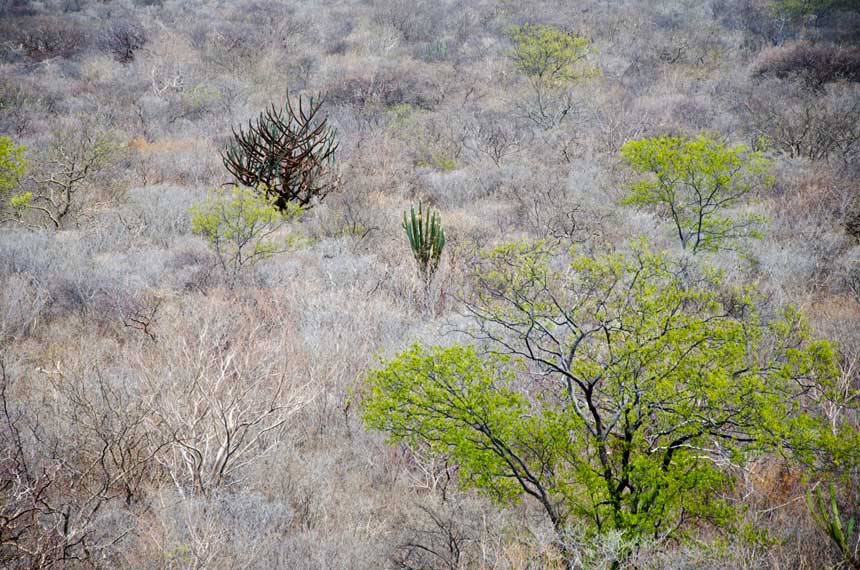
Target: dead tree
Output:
[{"x": 285, "y": 154}]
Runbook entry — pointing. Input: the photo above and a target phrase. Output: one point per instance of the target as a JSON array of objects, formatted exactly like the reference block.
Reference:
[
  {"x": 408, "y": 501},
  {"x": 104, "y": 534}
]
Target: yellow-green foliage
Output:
[
  {"x": 440, "y": 161},
  {"x": 694, "y": 182},
  {"x": 22, "y": 200},
  {"x": 243, "y": 226},
  {"x": 432, "y": 149},
  {"x": 12, "y": 164},
  {"x": 623, "y": 386},
  {"x": 548, "y": 53},
  {"x": 200, "y": 95}
]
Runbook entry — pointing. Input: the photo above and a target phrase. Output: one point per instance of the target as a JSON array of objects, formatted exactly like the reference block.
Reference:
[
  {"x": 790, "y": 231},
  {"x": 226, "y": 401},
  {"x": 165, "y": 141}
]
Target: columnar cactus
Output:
[
  {"x": 828, "y": 518},
  {"x": 426, "y": 238}
]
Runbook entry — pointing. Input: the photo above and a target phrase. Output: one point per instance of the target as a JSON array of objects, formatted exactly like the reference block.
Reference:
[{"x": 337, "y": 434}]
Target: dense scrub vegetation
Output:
[{"x": 430, "y": 285}]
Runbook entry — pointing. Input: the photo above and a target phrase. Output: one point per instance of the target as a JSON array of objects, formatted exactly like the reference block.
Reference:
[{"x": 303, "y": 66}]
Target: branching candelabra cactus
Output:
[
  {"x": 426, "y": 238},
  {"x": 286, "y": 155}
]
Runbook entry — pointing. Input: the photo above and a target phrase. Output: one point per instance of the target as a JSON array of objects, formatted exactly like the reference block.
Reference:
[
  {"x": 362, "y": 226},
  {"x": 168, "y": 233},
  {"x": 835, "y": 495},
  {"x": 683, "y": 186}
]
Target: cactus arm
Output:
[
  {"x": 836, "y": 522},
  {"x": 416, "y": 229},
  {"x": 428, "y": 245},
  {"x": 420, "y": 246},
  {"x": 408, "y": 227},
  {"x": 827, "y": 517}
]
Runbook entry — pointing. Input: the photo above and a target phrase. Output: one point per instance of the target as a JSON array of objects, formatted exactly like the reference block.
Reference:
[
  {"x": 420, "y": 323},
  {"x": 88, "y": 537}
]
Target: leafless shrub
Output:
[
  {"x": 22, "y": 301},
  {"x": 60, "y": 188},
  {"x": 437, "y": 141},
  {"x": 387, "y": 87},
  {"x": 546, "y": 105},
  {"x": 852, "y": 219},
  {"x": 74, "y": 275},
  {"x": 107, "y": 415},
  {"x": 814, "y": 64},
  {"x": 221, "y": 532},
  {"x": 442, "y": 537},
  {"x": 246, "y": 35},
  {"x": 804, "y": 123},
  {"x": 805, "y": 262},
  {"x": 755, "y": 18},
  {"x": 381, "y": 165},
  {"x": 65, "y": 463},
  {"x": 353, "y": 215},
  {"x": 42, "y": 38},
  {"x": 810, "y": 194},
  {"x": 18, "y": 101},
  {"x": 192, "y": 266},
  {"x": 176, "y": 161},
  {"x": 122, "y": 39},
  {"x": 417, "y": 21},
  {"x": 496, "y": 137},
  {"x": 456, "y": 188},
  {"x": 160, "y": 213},
  {"x": 224, "y": 400},
  {"x": 142, "y": 315},
  {"x": 614, "y": 119},
  {"x": 545, "y": 207}
]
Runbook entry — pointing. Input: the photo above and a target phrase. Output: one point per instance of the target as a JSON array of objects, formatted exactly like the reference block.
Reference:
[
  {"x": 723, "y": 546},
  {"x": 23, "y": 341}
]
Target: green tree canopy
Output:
[
  {"x": 547, "y": 53},
  {"x": 617, "y": 390},
  {"x": 243, "y": 226},
  {"x": 695, "y": 182}
]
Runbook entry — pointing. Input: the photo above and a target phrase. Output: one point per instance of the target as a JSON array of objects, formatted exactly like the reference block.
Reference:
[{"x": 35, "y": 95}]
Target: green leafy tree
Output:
[
  {"x": 548, "y": 53},
  {"x": 695, "y": 182},
  {"x": 551, "y": 59},
  {"x": 244, "y": 227},
  {"x": 617, "y": 390}
]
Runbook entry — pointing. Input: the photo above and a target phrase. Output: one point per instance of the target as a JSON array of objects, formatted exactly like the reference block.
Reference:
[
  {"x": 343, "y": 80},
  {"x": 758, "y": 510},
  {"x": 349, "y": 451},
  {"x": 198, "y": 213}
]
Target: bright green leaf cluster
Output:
[
  {"x": 243, "y": 226},
  {"x": 12, "y": 164},
  {"x": 695, "y": 182},
  {"x": 548, "y": 53},
  {"x": 22, "y": 200},
  {"x": 445, "y": 398}
]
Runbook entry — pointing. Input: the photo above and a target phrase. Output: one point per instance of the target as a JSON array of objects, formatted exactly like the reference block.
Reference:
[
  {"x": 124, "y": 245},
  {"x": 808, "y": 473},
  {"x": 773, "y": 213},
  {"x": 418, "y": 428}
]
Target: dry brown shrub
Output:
[{"x": 816, "y": 64}]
